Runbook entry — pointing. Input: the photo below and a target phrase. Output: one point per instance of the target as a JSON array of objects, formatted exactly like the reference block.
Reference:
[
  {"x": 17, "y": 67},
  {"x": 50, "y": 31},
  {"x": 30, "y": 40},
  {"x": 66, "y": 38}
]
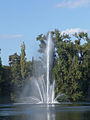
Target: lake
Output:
[{"x": 63, "y": 111}]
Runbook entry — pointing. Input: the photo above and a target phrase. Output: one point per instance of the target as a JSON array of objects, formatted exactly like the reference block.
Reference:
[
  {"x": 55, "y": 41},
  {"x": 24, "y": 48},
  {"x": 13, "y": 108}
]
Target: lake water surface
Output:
[{"x": 64, "y": 111}]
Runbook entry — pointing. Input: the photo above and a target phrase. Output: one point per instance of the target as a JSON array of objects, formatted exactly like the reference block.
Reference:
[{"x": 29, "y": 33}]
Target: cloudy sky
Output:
[{"x": 24, "y": 20}]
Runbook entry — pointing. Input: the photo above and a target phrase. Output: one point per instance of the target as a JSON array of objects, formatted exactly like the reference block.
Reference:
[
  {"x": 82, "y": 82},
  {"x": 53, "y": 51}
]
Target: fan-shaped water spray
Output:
[{"x": 43, "y": 91}]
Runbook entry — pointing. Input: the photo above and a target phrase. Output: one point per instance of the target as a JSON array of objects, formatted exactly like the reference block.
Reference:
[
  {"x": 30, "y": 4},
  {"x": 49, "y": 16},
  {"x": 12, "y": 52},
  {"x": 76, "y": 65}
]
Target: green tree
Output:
[
  {"x": 0, "y": 73},
  {"x": 6, "y": 84},
  {"x": 16, "y": 78},
  {"x": 23, "y": 61},
  {"x": 88, "y": 46},
  {"x": 14, "y": 62},
  {"x": 4, "y": 81},
  {"x": 71, "y": 79}
]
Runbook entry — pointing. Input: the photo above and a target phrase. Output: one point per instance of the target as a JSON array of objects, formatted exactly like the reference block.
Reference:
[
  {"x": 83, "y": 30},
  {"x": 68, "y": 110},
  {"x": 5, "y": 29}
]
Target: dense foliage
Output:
[{"x": 71, "y": 67}]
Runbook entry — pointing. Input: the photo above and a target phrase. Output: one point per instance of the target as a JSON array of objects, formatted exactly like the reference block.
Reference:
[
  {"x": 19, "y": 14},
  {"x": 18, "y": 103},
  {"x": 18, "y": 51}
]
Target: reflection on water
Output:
[{"x": 45, "y": 112}]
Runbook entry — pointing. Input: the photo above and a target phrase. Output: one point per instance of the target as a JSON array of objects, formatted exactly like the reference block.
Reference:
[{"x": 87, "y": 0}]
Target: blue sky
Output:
[{"x": 24, "y": 20}]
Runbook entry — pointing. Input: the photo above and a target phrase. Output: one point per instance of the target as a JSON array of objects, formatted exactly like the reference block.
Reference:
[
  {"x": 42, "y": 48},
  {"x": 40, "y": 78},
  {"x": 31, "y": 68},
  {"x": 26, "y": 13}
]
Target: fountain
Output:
[{"x": 42, "y": 91}]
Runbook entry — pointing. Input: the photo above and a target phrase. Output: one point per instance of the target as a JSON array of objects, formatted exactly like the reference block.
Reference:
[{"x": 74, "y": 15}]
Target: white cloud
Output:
[
  {"x": 73, "y": 3},
  {"x": 11, "y": 36},
  {"x": 73, "y": 30}
]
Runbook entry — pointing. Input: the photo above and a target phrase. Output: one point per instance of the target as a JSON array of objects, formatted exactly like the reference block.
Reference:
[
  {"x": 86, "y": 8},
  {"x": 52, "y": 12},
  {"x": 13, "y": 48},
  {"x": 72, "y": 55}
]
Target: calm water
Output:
[{"x": 43, "y": 112}]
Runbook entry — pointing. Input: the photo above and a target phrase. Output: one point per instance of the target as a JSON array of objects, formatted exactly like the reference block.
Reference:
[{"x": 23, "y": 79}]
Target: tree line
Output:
[{"x": 71, "y": 67}]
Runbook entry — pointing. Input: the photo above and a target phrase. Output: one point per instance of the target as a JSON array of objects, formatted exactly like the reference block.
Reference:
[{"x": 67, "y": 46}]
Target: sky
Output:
[{"x": 24, "y": 20}]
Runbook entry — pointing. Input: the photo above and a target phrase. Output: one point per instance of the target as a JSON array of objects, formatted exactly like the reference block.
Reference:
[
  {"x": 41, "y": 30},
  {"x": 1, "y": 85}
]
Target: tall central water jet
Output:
[{"x": 49, "y": 58}]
